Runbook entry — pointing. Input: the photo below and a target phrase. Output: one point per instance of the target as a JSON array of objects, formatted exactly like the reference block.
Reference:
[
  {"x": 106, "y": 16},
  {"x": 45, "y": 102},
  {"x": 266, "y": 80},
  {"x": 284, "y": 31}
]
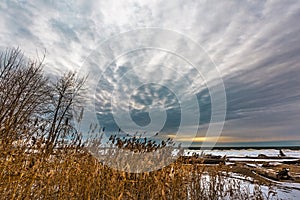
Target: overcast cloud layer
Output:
[{"x": 254, "y": 44}]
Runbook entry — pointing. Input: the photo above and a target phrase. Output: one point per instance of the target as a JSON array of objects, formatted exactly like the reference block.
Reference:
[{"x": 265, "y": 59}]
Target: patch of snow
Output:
[{"x": 260, "y": 160}]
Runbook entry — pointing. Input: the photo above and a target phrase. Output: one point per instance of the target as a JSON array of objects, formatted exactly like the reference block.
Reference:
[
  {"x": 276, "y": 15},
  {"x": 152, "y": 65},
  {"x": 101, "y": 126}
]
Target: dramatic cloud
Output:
[{"x": 254, "y": 44}]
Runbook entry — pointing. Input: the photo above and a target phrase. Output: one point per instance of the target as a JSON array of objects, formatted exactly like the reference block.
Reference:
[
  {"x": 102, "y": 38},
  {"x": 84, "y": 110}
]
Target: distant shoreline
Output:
[{"x": 247, "y": 147}]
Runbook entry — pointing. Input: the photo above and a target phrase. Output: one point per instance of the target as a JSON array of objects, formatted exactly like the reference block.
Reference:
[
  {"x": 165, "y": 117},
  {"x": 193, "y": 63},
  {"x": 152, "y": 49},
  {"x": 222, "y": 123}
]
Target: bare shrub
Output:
[{"x": 23, "y": 96}]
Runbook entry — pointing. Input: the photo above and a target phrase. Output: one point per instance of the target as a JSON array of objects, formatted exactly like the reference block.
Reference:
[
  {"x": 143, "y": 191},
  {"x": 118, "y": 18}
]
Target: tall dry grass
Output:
[{"x": 72, "y": 173}]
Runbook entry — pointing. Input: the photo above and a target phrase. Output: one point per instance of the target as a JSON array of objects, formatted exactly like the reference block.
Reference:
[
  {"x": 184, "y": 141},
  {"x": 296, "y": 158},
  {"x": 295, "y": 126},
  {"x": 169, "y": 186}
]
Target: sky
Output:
[{"x": 195, "y": 51}]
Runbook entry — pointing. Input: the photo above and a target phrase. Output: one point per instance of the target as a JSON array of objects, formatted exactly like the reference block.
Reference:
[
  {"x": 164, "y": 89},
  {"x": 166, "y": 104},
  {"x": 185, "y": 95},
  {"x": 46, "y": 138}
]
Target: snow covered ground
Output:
[
  {"x": 284, "y": 190},
  {"x": 281, "y": 190}
]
